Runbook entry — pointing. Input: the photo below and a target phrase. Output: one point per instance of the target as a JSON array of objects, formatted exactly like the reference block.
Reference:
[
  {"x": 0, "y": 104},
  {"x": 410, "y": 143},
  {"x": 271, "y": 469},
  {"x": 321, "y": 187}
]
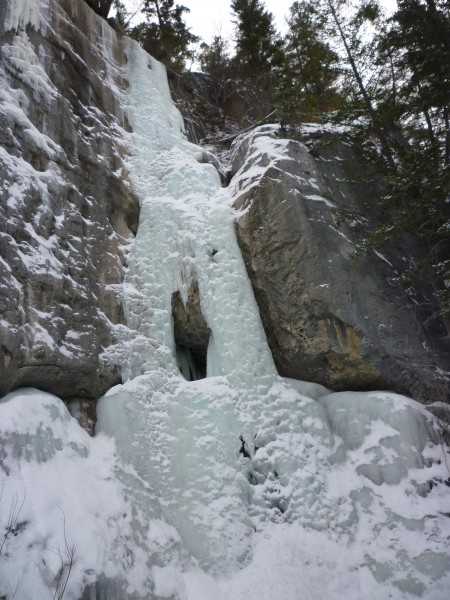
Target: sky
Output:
[{"x": 209, "y": 17}]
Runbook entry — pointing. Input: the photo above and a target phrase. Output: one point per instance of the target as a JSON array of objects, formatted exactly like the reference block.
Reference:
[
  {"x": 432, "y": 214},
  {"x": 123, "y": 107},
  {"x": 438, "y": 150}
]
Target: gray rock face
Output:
[
  {"x": 67, "y": 209},
  {"x": 191, "y": 333},
  {"x": 190, "y": 328},
  {"x": 328, "y": 318}
]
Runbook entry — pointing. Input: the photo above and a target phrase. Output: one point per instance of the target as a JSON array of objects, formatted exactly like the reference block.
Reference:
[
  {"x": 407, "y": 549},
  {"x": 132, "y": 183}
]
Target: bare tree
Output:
[
  {"x": 13, "y": 525},
  {"x": 66, "y": 557}
]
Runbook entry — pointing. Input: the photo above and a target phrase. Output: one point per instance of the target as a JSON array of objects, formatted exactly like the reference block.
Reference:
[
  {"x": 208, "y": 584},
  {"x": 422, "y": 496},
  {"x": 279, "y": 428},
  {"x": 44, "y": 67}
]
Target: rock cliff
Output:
[
  {"x": 328, "y": 318},
  {"x": 67, "y": 209}
]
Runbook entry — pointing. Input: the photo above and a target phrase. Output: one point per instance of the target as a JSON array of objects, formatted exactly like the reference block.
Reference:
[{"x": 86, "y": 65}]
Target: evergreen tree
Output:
[
  {"x": 215, "y": 61},
  {"x": 164, "y": 34},
  {"x": 214, "y": 58},
  {"x": 419, "y": 41},
  {"x": 122, "y": 15},
  {"x": 404, "y": 99},
  {"x": 353, "y": 28},
  {"x": 308, "y": 76},
  {"x": 258, "y": 46}
]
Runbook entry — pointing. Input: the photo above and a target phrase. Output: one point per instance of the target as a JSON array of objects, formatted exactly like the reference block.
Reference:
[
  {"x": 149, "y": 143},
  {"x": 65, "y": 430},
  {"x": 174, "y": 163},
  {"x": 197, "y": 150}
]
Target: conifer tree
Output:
[
  {"x": 164, "y": 34},
  {"x": 419, "y": 41},
  {"x": 308, "y": 76},
  {"x": 353, "y": 28},
  {"x": 215, "y": 61},
  {"x": 122, "y": 15},
  {"x": 214, "y": 57},
  {"x": 258, "y": 46},
  {"x": 398, "y": 87}
]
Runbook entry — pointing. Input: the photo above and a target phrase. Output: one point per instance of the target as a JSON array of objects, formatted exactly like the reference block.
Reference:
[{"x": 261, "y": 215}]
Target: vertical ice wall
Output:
[{"x": 185, "y": 233}]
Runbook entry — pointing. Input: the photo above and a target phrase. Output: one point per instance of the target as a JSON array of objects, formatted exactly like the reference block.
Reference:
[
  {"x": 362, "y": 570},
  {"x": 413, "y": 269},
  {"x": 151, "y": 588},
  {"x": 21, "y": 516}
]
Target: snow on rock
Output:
[{"x": 67, "y": 208}]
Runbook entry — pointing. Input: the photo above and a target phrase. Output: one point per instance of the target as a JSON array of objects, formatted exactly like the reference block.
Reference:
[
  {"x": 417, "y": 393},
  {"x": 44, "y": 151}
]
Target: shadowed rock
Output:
[
  {"x": 191, "y": 332},
  {"x": 328, "y": 318}
]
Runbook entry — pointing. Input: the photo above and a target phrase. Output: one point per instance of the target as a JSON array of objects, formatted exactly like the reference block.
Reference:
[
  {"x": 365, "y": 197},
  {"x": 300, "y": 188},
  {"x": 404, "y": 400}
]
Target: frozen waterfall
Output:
[
  {"x": 240, "y": 485},
  {"x": 244, "y": 465}
]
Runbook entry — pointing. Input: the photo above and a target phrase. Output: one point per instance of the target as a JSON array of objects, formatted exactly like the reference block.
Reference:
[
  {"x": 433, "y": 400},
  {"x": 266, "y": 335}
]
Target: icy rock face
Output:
[
  {"x": 328, "y": 318},
  {"x": 67, "y": 210}
]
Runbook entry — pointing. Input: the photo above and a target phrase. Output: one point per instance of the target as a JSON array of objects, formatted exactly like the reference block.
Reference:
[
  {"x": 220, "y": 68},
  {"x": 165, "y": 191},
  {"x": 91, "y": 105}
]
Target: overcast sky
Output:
[{"x": 208, "y": 17}]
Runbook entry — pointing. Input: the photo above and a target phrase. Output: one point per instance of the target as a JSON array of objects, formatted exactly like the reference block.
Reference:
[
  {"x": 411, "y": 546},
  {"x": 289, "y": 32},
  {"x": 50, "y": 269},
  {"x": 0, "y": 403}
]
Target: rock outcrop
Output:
[
  {"x": 190, "y": 328},
  {"x": 328, "y": 318},
  {"x": 191, "y": 333},
  {"x": 67, "y": 209}
]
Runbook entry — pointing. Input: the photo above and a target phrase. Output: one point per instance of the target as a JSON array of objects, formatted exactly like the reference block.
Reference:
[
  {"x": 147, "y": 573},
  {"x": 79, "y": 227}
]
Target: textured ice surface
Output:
[
  {"x": 21, "y": 13},
  {"x": 244, "y": 464},
  {"x": 242, "y": 485}
]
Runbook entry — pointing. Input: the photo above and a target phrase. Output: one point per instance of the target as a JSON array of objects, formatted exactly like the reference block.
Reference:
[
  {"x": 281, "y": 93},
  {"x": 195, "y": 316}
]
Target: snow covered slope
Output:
[{"x": 241, "y": 485}]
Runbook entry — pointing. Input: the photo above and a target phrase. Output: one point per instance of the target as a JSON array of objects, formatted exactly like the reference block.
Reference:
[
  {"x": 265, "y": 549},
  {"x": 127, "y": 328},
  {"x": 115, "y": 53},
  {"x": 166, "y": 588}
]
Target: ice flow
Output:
[{"x": 229, "y": 456}]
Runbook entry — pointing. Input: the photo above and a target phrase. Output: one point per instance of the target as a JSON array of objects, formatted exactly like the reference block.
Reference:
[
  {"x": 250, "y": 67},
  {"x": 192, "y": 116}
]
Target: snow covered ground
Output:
[{"x": 242, "y": 485}]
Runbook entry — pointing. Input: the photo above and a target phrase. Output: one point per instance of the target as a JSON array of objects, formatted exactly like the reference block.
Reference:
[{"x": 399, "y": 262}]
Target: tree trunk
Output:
[
  {"x": 447, "y": 136},
  {"x": 367, "y": 101},
  {"x": 429, "y": 270},
  {"x": 158, "y": 13}
]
